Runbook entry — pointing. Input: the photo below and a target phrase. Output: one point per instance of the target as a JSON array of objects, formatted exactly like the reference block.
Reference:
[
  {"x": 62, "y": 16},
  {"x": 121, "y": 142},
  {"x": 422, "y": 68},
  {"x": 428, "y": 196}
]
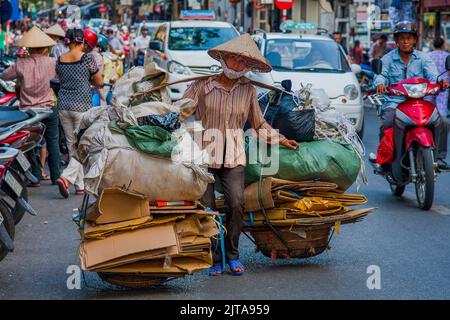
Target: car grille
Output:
[{"x": 205, "y": 70}]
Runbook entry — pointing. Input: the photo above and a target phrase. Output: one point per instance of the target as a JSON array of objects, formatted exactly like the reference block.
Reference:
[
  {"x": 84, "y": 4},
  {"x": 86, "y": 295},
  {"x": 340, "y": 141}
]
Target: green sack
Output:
[
  {"x": 317, "y": 160},
  {"x": 149, "y": 139}
]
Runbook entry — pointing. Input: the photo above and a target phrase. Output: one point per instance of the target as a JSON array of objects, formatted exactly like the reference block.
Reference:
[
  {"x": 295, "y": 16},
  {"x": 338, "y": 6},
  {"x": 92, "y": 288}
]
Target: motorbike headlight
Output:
[
  {"x": 416, "y": 90},
  {"x": 351, "y": 92},
  {"x": 175, "y": 67}
]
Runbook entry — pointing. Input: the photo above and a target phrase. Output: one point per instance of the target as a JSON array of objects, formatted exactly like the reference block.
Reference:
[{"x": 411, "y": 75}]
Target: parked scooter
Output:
[
  {"x": 414, "y": 138},
  {"x": 18, "y": 133},
  {"x": 8, "y": 95},
  {"x": 7, "y": 228}
]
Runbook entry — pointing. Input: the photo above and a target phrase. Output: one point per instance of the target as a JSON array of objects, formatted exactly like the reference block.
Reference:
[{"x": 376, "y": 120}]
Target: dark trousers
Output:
[
  {"x": 442, "y": 129},
  {"x": 232, "y": 180},
  {"x": 51, "y": 137}
]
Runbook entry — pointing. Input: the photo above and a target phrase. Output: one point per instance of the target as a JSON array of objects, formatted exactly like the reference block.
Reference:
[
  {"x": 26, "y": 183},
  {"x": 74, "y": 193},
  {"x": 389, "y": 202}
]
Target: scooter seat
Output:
[{"x": 9, "y": 117}]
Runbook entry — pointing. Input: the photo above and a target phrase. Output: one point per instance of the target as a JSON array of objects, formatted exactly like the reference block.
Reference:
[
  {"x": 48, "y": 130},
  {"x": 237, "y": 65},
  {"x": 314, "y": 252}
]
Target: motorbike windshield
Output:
[
  {"x": 302, "y": 55},
  {"x": 199, "y": 38}
]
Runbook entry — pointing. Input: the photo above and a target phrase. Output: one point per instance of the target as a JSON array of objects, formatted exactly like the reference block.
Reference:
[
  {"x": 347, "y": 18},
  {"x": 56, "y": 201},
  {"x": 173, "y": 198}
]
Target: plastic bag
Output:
[
  {"x": 168, "y": 122},
  {"x": 297, "y": 125},
  {"x": 385, "y": 152}
]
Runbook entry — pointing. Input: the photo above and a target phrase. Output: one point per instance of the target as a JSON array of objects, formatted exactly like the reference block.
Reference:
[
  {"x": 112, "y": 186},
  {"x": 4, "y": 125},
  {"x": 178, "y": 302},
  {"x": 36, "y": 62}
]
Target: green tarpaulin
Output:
[
  {"x": 149, "y": 139},
  {"x": 318, "y": 160}
]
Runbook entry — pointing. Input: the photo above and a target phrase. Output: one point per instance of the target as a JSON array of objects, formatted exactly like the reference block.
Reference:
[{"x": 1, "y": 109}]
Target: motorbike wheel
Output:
[
  {"x": 397, "y": 190},
  {"x": 425, "y": 177},
  {"x": 17, "y": 210},
  {"x": 8, "y": 222}
]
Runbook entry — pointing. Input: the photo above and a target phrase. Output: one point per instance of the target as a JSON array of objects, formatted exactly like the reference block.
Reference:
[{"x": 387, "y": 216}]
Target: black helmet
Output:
[{"x": 405, "y": 27}]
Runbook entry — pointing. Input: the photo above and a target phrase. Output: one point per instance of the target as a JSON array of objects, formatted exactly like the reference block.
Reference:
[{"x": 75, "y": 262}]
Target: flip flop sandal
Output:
[
  {"x": 63, "y": 187},
  {"x": 79, "y": 192},
  {"x": 215, "y": 271},
  {"x": 45, "y": 177},
  {"x": 236, "y": 267}
]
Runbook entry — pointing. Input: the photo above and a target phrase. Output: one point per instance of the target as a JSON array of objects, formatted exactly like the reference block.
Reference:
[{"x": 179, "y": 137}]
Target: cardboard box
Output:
[
  {"x": 177, "y": 265},
  {"x": 132, "y": 245},
  {"x": 116, "y": 205}
]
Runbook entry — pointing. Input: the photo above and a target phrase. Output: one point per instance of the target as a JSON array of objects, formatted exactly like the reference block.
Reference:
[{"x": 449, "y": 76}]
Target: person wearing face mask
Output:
[{"x": 223, "y": 104}]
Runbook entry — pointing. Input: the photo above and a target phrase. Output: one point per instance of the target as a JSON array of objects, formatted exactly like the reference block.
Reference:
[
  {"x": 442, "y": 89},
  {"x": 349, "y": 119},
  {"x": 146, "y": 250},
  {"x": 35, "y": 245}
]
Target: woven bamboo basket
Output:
[
  {"x": 302, "y": 241},
  {"x": 132, "y": 280}
]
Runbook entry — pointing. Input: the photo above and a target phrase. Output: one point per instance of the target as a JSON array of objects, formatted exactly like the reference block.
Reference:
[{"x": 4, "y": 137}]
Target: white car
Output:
[
  {"x": 317, "y": 60},
  {"x": 180, "y": 48}
]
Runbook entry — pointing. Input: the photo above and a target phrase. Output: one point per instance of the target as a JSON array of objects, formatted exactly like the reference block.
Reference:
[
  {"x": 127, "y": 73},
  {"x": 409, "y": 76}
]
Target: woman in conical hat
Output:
[
  {"x": 224, "y": 104},
  {"x": 33, "y": 75},
  {"x": 56, "y": 32}
]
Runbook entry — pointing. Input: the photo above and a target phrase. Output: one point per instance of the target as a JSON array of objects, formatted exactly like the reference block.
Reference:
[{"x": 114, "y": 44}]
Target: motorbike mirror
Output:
[
  {"x": 156, "y": 45},
  {"x": 447, "y": 63},
  {"x": 377, "y": 66}
]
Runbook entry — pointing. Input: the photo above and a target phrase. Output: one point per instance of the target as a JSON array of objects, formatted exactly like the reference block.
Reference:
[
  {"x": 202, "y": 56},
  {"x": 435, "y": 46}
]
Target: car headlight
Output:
[
  {"x": 351, "y": 92},
  {"x": 175, "y": 67},
  {"x": 416, "y": 90}
]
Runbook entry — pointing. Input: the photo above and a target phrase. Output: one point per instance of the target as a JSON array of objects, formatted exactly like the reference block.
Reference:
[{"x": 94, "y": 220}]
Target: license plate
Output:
[
  {"x": 23, "y": 161},
  {"x": 13, "y": 183}
]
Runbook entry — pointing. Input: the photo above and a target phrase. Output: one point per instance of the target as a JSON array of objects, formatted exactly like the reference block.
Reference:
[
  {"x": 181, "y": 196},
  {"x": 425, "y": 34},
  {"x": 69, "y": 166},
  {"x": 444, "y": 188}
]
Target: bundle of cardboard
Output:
[
  {"x": 123, "y": 233},
  {"x": 288, "y": 203}
]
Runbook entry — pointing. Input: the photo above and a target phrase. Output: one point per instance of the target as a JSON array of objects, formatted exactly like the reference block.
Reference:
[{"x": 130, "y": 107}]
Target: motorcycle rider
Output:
[
  {"x": 140, "y": 45},
  {"x": 402, "y": 63}
]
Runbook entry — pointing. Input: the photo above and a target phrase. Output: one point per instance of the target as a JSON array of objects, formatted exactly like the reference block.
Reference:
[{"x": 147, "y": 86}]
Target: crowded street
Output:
[
  {"x": 409, "y": 245},
  {"x": 224, "y": 150}
]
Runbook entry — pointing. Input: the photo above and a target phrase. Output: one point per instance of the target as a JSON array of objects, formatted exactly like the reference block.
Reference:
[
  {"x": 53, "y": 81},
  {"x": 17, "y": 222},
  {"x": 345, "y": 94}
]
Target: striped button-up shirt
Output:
[
  {"x": 223, "y": 115},
  {"x": 33, "y": 76}
]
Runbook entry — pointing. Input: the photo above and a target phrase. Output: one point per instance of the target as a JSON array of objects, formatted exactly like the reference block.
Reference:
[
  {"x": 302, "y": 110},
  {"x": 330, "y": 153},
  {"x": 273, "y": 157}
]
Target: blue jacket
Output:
[{"x": 395, "y": 70}]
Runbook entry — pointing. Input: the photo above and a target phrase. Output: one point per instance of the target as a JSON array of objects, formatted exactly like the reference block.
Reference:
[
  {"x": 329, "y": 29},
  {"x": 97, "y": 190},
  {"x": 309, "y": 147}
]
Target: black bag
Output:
[{"x": 297, "y": 125}]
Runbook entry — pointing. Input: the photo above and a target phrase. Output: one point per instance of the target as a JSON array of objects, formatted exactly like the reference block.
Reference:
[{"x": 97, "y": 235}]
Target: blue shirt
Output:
[{"x": 394, "y": 70}]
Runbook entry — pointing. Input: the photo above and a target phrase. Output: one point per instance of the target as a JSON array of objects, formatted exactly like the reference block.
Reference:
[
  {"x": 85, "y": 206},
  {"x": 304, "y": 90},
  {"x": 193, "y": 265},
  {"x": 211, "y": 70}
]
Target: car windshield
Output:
[
  {"x": 305, "y": 55},
  {"x": 199, "y": 38}
]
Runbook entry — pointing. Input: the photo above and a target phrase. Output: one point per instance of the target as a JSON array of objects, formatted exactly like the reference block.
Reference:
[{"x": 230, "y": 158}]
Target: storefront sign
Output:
[
  {"x": 292, "y": 25},
  {"x": 197, "y": 15}
]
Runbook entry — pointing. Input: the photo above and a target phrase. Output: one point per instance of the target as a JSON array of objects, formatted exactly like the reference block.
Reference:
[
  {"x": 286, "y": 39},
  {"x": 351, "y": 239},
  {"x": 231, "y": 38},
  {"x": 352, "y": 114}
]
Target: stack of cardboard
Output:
[
  {"x": 295, "y": 219},
  {"x": 122, "y": 234},
  {"x": 307, "y": 202}
]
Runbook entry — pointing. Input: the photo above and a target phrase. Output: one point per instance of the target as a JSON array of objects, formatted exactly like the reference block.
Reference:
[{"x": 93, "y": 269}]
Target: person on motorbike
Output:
[
  {"x": 402, "y": 63},
  {"x": 57, "y": 34},
  {"x": 110, "y": 74},
  {"x": 140, "y": 45},
  {"x": 114, "y": 42}
]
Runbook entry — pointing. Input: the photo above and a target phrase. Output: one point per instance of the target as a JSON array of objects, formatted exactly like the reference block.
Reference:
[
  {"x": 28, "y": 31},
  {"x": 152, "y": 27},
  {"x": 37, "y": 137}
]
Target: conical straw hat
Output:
[
  {"x": 55, "y": 30},
  {"x": 246, "y": 47},
  {"x": 35, "y": 38}
]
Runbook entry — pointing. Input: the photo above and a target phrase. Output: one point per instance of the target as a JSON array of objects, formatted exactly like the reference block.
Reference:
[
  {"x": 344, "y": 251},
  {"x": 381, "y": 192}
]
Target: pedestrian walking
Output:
[
  {"x": 76, "y": 70},
  {"x": 438, "y": 56},
  {"x": 33, "y": 74},
  {"x": 224, "y": 103},
  {"x": 357, "y": 53},
  {"x": 379, "y": 48}
]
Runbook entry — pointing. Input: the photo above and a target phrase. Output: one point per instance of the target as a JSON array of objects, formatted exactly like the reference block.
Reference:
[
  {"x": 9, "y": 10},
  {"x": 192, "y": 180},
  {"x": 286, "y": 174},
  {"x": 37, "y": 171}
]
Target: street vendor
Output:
[{"x": 224, "y": 103}]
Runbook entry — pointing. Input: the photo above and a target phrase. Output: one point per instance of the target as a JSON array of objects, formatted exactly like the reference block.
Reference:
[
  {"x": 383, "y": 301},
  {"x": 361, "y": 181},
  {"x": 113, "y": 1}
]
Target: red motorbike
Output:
[{"x": 414, "y": 138}]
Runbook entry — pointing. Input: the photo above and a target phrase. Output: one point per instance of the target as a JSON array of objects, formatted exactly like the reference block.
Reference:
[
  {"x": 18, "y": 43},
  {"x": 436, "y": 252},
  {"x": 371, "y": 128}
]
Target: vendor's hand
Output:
[
  {"x": 290, "y": 144},
  {"x": 444, "y": 84},
  {"x": 381, "y": 88}
]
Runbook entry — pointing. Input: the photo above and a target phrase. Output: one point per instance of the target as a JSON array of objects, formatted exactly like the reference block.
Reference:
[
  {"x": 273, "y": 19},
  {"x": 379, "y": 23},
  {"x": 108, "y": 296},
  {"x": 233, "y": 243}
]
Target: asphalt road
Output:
[{"x": 411, "y": 247}]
